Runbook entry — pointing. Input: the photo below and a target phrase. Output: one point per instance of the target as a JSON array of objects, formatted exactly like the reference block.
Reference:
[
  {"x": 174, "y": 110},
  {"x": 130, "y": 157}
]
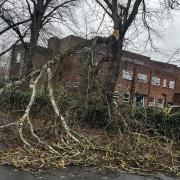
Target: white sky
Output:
[{"x": 169, "y": 43}]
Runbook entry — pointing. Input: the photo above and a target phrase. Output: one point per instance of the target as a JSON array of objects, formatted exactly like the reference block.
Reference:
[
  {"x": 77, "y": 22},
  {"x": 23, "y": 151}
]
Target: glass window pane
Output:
[
  {"x": 127, "y": 74},
  {"x": 171, "y": 84},
  {"x": 160, "y": 103},
  {"x": 152, "y": 101},
  {"x": 165, "y": 83},
  {"x": 142, "y": 78},
  {"x": 155, "y": 81}
]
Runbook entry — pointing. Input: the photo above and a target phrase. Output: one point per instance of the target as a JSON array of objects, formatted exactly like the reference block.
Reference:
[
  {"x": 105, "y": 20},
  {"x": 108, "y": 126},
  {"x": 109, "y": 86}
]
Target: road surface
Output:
[{"x": 73, "y": 173}]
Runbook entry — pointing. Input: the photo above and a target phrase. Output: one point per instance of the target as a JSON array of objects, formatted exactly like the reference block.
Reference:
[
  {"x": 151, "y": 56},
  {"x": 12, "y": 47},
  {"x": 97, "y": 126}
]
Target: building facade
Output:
[
  {"x": 146, "y": 82},
  {"x": 141, "y": 80},
  {"x": 19, "y": 56}
]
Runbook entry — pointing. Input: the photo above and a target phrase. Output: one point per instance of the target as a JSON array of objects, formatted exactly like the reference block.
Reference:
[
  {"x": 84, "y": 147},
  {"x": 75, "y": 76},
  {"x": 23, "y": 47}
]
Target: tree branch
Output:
[
  {"x": 105, "y": 9},
  {"x": 132, "y": 16}
]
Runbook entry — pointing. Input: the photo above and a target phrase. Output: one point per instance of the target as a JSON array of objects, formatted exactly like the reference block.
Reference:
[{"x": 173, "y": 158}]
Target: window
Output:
[
  {"x": 142, "y": 78},
  {"x": 155, "y": 81},
  {"x": 152, "y": 101},
  {"x": 18, "y": 57},
  {"x": 126, "y": 97},
  {"x": 127, "y": 74},
  {"x": 165, "y": 83},
  {"x": 171, "y": 84},
  {"x": 68, "y": 84},
  {"x": 170, "y": 103},
  {"x": 115, "y": 95},
  {"x": 139, "y": 99},
  {"x": 160, "y": 103},
  {"x": 75, "y": 84}
]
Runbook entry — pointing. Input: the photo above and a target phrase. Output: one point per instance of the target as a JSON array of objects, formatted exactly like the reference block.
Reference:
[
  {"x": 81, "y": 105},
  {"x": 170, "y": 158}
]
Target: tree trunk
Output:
[
  {"x": 113, "y": 72},
  {"x": 35, "y": 28},
  {"x": 115, "y": 62}
]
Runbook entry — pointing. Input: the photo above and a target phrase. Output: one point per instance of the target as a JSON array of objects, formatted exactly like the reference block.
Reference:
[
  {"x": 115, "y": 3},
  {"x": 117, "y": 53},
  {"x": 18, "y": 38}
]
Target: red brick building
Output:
[
  {"x": 147, "y": 82},
  {"x": 141, "y": 80},
  {"x": 18, "y": 56}
]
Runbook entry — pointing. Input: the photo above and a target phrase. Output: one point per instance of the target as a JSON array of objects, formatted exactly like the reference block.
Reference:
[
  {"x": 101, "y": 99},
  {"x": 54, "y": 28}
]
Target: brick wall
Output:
[
  {"x": 146, "y": 89},
  {"x": 133, "y": 62},
  {"x": 67, "y": 72},
  {"x": 42, "y": 55}
]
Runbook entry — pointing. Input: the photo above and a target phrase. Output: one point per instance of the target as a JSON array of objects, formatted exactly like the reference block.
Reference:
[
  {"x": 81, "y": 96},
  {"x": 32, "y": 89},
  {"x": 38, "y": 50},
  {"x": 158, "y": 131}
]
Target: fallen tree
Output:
[{"x": 25, "y": 118}]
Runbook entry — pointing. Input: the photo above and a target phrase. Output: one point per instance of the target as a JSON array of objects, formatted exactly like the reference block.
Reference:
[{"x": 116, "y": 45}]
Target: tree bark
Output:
[
  {"x": 122, "y": 17},
  {"x": 112, "y": 73}
]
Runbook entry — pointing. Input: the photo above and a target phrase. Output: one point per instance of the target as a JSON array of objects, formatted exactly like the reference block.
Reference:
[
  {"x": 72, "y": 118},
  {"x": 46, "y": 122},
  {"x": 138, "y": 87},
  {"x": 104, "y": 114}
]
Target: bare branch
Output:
[
  {"x": 132, "y": 16},
  {"x": 55, "y": 107},
  {"x": 105, "y": 9}
]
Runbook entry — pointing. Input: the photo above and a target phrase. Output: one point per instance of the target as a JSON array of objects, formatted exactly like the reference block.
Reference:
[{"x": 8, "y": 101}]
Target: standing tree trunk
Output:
[
  {"x": 113, "y": 70},
  {"x": 35, "y": 27},
  {"x": 122, "y": 16}
]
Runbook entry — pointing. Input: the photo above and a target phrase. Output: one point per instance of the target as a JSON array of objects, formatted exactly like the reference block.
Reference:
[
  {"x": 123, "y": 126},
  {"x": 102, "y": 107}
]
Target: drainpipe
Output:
[
  {"x": 132, "y": 90},
  {"x": 149, "y": 87},
  {"x": 175, "y": 79},
  {"x": 165, "y": 100}
]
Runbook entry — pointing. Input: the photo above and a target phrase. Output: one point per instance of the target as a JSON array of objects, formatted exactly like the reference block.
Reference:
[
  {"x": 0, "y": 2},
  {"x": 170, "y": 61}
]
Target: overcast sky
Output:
[{"x": 170, "y": 41}]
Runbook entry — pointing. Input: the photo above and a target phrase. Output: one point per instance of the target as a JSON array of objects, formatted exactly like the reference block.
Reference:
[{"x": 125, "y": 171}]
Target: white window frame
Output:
[
  {"x": 165, "y": 83},
  {"x": 116, "y": 95},
  {"x": 127, "y": 75},
  {"x": 18, "y": 57},
  {"x": 75, "y": 84},
  {"x": 156, "y": 81},
  {"x": 142, "y": 78},
  {"x": 161, "y": 105},
  {"x": 68, "y": 84},
  {"x": 153, "y": 103},
  {"x": 171, "y": 84}
]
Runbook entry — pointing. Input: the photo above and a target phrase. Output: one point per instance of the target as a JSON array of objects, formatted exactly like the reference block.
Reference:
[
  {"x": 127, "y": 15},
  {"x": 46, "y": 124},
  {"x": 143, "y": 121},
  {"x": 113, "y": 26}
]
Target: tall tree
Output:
[
  {"x": 123, "y": 15},
  {"x": 37, "y": 14}
]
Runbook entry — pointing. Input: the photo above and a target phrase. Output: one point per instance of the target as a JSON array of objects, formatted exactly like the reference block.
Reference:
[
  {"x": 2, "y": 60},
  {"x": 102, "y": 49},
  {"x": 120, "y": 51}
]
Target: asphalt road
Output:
[{"x": 73, "y": 173}]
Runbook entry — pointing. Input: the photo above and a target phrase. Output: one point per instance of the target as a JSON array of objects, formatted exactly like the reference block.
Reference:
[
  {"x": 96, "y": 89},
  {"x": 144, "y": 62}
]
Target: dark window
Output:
[{"x": 126, "y": 97}]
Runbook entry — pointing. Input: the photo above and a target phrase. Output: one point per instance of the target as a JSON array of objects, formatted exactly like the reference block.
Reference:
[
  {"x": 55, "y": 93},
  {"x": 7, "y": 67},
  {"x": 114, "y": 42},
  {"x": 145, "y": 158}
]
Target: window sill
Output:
[
  {"x": 155, "y": 85},
  {"x": 127, "y": 79},
  {"x": 142, "y": 82}
]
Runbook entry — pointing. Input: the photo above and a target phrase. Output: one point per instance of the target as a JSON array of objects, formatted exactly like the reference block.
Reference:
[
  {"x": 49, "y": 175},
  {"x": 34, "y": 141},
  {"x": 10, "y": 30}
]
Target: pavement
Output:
[{"x": 74, "y": 173}]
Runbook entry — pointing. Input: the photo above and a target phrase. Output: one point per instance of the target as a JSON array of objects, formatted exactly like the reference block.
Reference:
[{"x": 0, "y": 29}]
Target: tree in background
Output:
[
  {"x": 124, "y": 15},
  {"x": 28, "y": 18}
]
